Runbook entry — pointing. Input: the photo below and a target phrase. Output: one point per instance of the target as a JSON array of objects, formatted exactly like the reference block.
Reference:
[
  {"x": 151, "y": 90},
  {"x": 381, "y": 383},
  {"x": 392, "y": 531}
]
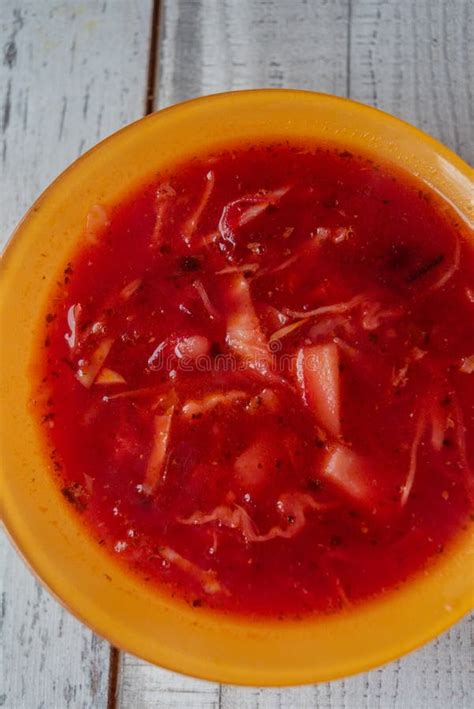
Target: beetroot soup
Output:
[{"x": 257, "y": 385}]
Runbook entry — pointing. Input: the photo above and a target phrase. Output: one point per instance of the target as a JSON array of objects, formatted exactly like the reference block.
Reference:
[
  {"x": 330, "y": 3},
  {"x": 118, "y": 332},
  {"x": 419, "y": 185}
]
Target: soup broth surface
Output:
[{"x": 256, "y": 380}]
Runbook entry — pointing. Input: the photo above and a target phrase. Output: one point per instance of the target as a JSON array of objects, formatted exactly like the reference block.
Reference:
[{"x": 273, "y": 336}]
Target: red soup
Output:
[{"x": 257, "y": 380}]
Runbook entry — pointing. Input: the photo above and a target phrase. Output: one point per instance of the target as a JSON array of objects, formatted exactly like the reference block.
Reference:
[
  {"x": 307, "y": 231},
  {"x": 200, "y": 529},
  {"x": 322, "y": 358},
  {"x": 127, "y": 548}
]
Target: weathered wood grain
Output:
[
  {"x": 439, "y": 676},
  {"x": 209, "y": 46},
  {"x": 71, "y": 73},
  {"x": 414, "y": 59},
  {"x": 142, "y": 686}
]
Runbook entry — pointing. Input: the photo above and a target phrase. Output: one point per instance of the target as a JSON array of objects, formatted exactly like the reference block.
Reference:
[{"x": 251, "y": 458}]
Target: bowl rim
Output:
[
  {"x": 427, "y": 138},
  {"x": 9, "y": 252}
]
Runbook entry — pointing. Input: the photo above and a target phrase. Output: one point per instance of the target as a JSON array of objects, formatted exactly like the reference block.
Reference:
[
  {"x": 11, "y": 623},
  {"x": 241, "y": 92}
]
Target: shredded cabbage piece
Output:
[
  {"x": 211, "y": 401},
  {"x": 213, "y": 313},
  {"x": 190, "y": 225},
  {"x": 324, "y": 309},
  {"x": 88, "y": 370},
  {"x": 287, "y": 330},
  {"x": 290, "y": 505},
  {"x": 284, "y": 264},
  {"x": 197, "y": 407},
  {"x": 410, "y": 479},
  {"x": 109, "y": 376},
  {"x": 206, "y": 578},
  {"x": 258, "y": 203},
  {"x": 157, "y": 459},
  {"x": 155, "y": 360},
  {"x": 164, "y": 195},
  {"x": 131, "y": 394},
  {"x": 245, "y": 268}
]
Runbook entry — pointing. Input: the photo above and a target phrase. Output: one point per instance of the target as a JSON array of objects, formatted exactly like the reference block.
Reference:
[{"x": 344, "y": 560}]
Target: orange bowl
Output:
[{"x": 90, "y": 583}]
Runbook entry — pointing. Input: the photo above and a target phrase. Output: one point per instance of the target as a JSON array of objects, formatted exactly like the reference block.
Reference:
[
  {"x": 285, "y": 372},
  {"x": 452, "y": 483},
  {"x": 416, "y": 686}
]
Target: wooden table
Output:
[{"x": 74, "y": 72}]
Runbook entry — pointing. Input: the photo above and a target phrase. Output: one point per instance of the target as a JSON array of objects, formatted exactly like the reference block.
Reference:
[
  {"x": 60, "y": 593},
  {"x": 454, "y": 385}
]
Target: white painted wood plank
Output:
[
  {"x": 412, "y": 59},
  {"x": 209, "y": 46},
  {"x": 415, "y": 58},
  {"x": 439, "y": 676},
  {"x": 72, "y": 72},
  {"x": 143, "y": 686}
]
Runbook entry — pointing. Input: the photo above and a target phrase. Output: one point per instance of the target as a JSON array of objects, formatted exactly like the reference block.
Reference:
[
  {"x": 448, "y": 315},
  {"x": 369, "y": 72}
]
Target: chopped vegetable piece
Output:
[
  {"x": 191, "y": 224},
  {"x": 350, "y": 474},
  {"x": 157, "y": 459},
  {"x": 256, "y": 463},
  {"x": 206, "y": 578},
  {"x": 244, "y": 334},
  {"x": 97, "y": 222},
  {"x": 88, "y": 370},
  {"x": 109, "y": 376},
  {"x": 317, "y": 373}
]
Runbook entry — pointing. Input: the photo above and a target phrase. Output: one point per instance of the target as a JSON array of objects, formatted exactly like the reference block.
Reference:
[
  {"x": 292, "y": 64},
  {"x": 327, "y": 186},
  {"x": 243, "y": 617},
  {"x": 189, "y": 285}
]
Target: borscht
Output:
[{"x": 256, "y": 380}]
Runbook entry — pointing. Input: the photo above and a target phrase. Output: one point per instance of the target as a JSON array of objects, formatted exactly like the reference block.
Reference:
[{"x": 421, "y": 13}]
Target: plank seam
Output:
[
  {"x": 349, "y": 48},
  {"x": 151, "y": 89},
  {"x": 114, "y": 669}
]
